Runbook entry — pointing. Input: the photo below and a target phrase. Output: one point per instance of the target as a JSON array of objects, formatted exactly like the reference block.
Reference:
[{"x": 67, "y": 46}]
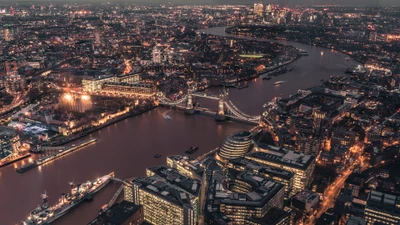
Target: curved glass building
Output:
[{"x": 236, "y": 145}]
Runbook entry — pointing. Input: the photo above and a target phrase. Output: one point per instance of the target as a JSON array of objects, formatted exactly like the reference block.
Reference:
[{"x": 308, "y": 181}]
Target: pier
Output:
[{"x": 56, "y": 155}]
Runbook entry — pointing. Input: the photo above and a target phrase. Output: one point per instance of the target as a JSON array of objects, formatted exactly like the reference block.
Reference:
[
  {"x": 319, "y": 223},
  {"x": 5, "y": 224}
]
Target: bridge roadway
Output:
[
  {"x": 203, "y": 95},
  {"x": 212, "y": 113}
]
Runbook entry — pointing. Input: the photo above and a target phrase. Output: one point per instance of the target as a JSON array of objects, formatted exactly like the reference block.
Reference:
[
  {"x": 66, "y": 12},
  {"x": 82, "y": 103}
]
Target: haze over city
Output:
[{"x": 209, "y": 112}]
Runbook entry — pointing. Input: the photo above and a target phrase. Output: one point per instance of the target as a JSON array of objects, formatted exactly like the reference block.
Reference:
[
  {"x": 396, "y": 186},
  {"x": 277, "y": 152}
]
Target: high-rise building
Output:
[
  {"x": 248, "y": 195},
  {"x": 157, "y": 54},
  {"x": 300, "y": 164},
  {"x": 236, "y": 145},
  {"x": 319, "y": 116},
  {"x": 282, "y": 176},
  {"x": 382, "y": 208},
  {"x": 6, "y": 34},
  {"x": 166, "y": 200},
  {"x": 269, "y": 8},
  {"x": 186, "y": 166},
  {"x": 97, "y": 38},
  {"x": 259, "y": 9}
]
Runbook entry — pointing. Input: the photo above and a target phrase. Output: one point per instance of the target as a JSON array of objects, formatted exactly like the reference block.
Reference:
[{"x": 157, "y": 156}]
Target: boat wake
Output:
[{"x": 166, "y": 116}]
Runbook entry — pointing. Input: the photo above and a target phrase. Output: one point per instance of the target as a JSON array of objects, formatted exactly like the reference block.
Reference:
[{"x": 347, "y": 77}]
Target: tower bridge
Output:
[{"x": 226, "y": 109}]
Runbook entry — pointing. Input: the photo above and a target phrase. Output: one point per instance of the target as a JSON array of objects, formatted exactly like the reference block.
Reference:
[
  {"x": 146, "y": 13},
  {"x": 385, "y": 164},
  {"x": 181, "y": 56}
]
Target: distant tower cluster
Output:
[
  {"x": 156, "y": 54},
  {"x": 7, "y": 35},
  {"x": 259, "y": 9},
  {"x": 97, "y": 38}
]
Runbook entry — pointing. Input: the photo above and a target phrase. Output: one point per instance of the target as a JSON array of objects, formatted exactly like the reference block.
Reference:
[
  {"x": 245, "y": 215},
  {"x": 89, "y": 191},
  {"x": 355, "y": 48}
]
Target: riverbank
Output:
[
  {"x": 297, "y": 41},
  {"x": 108, "y": 123}
]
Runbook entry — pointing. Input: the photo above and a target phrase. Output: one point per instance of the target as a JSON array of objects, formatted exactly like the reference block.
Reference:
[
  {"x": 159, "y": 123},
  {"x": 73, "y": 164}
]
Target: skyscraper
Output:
[{"x": 259, "y": 9}]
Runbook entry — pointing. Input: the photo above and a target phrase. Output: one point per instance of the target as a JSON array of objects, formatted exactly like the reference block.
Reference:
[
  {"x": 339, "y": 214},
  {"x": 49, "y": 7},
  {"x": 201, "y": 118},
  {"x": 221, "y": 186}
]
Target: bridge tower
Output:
[
  {"x": 220, "y": 116},
  {"x": 189, "y": 106}
]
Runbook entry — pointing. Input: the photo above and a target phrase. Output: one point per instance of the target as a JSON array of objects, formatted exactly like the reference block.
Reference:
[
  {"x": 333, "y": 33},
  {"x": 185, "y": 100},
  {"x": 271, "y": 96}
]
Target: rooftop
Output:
[
  {"x": 283, "y": 156},
  {"x": 117, "y": 214},
  {"x": 173, "y": 176},
  {"x": 273, "y": 216},
  {"x": 305, "y": 195},
  {"x": 164, "y": 189},
  {"x": 262, "y": 190},
  {"x": 261, "y": 168},
  {"x": 6, "y": 131},
  {"x": 384, "y": 202}
]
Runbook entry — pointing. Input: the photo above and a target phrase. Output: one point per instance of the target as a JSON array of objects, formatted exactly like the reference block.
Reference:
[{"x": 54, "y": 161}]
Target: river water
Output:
[{"x": 128, "y": 147}]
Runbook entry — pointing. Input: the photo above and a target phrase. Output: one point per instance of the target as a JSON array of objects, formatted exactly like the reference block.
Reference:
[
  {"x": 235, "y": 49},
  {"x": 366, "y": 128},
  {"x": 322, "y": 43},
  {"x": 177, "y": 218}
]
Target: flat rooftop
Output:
[
  {"x": 174, "y": 177},
  {"x": 249, "y": 164},
  {"x": 116, "y": 214},
  {"x": 162, "y": 188},
  {"x": 283, "y": 156},
  {"x": 273, "y": 216}
]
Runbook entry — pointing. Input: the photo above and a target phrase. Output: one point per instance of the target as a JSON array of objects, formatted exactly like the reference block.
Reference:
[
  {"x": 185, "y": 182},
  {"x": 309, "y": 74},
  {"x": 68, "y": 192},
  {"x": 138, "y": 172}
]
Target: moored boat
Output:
[{"x": 46, "y": 214}]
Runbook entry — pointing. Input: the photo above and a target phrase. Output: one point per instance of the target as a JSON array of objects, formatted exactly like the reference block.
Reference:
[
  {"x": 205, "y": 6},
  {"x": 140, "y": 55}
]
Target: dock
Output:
[{"x": 55, "y": 155}]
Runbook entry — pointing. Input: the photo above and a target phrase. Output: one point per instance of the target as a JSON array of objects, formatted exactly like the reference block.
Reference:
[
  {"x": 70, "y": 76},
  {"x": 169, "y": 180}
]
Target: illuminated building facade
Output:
[
  {"x": 95, "y": 84},
  {"x": 166, "y": 200},
  {"x": 300, "y": 164},
  {"x": 250, "y": 196},
  {"x": 186, "y": 166},
  {"x": 75, "y": 103},
  {"x": 259, "y": 9},
  {"x": 276, "y": 174},
  {"x": 157, "y": 55},
  {"x": 236, "y": 145},
  {"x": 382, "y": 208},
  {"x": 319, "y": 117},
  {"x": 9, "y": 141},
  {"x": 139, "y": 89}
]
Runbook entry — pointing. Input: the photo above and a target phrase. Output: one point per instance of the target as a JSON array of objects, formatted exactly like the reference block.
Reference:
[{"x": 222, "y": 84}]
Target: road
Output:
[{"x": 331, "y": 194}]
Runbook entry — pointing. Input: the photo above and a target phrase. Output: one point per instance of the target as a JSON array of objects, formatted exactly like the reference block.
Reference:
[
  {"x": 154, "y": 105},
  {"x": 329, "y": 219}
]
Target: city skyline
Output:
[
  {"x": 360, "y": 3},
  {"x": 228, "y": 114}
]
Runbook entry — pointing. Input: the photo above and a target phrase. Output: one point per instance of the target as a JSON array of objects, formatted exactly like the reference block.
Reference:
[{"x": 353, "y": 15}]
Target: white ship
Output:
[{"x": 45, "y": 214}]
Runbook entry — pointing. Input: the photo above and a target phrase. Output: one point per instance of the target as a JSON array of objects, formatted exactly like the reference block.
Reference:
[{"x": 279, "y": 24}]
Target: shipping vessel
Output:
[{"x": 46, "y": 214}]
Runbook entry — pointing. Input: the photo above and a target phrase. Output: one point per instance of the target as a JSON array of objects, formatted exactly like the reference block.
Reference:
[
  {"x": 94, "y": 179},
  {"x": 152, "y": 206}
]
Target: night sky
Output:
[
  {"x": 282, "y": 2},
  {"x": 290, "y": 2}
]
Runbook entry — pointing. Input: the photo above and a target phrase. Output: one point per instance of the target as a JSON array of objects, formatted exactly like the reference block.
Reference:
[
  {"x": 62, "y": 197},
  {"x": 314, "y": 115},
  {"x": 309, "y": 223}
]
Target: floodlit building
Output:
[
  {"x": 300, "y": 164},
  {"x": 250, "y": 195},
  {"x": 259, "y": 9},
  {"x": 167, "y": 197},
  {"x": 282, "y": 176},
  {"x": 236, "y": 145},
  {"x": 186, "y": 166},
  {"x": 382, "y": 208}
]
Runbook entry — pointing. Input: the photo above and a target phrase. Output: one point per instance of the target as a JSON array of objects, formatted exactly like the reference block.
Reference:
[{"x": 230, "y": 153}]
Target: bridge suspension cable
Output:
[{"x": 241, "y": 115}]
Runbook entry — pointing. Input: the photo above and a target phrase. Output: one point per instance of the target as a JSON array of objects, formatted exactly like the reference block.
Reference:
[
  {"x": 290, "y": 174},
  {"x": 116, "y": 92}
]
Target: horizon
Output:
[{"x": 353, "y": 3}]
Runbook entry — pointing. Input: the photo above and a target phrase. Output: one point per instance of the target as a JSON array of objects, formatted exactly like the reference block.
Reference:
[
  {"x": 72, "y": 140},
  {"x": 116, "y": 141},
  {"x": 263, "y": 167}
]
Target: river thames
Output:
[{"x": 128, "y": 147}]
